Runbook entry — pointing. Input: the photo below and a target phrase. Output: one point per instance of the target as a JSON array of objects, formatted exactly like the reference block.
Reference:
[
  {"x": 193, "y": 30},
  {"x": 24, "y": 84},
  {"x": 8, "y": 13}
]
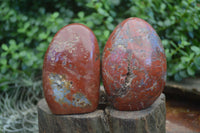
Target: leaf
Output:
[
  {"x": 13, "y": 46},
  {"x": 160, "y": 23},
  {"x": 13, "y": 19},
  {"x": 163, "y": 6},
  {"x": 15, "y": 65},
  {"x": 15, "y": 56},
  {"x": 55, "y": 14},
  {"x": 90, "y": 5},
  {"x": 177, "y": 77},
  {"x": 29, "y": 63},
  {"x": 3, "y": 61},
  {"x": 12, "y": 42},
  {"x": 26, "y": 25},
  {"x": 184, "y": 59},
  {"x": 90, "y": 24},
  {"x": 99, "y": 5},
  {"x": 191, "y": 55},
  {"x": 184, "y": 3},
  {"x": 3, "y": 69},
  {"x": 195, "y": 49},
  {"x": 110, "y": 26},
  {"x": 184, "y": 42},
  {"x": 42, "y": 46},
  {"x": 102, "y": 12},
  {"x": 168, "y": 54},
  {"x": 190, "y": 71},
  {"x": 173, "y": 44},
  {"x": 106, "y": 33},
  {"x": 165, "y": 43},
  {"x": 42, "y": 36},
  {"x": 197, "y": 62},
  {"x": 109, "y": 19},
  {"x": 4, "y": 47},
  {"x": 81, "y": 15},
  {"x": 183, "y": 52},
  {"x": 4, "y": 54},
  {"x": 181, "y": 66},
  {"x": 42, "y": 10},
  {"x": 183, "y": 74},
  {"x": 22, "y": 54},
  {"x": 191, "y": 34},
  {"x": 167, "y": 22},
  {"x": 115, "y": 2}
]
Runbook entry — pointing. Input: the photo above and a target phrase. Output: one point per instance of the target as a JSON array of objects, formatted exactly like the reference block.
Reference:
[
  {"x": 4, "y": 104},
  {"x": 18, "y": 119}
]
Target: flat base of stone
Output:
[{"x": 150, "y": 120}]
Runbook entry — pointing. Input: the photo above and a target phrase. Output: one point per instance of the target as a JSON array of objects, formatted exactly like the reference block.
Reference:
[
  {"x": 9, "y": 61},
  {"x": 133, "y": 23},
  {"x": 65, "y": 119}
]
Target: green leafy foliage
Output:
[
  {"x": 24, "y": 37},
  {"x": 27, "y": 28}
]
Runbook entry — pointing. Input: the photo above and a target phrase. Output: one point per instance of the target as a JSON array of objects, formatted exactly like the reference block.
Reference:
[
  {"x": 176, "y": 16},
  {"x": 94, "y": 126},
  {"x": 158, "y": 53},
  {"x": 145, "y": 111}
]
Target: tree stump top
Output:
[{"x": 149, "y": 120}]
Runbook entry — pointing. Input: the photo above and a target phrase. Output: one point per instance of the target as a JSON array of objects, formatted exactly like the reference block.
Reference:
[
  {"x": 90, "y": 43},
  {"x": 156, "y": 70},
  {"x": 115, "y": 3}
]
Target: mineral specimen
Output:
[
  {"x": 133, "y": 65},
  {"x": 71, "y": 71}
]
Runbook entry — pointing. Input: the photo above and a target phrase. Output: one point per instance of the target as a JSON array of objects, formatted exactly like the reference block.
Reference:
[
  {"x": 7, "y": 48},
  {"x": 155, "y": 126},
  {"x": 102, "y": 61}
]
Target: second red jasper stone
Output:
[
  {"x": 134, "y": 65},
  {"x": 71, "y": 71}
]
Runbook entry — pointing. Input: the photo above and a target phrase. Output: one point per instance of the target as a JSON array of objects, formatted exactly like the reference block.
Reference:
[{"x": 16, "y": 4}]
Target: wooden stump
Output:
[
  {"x": 80, "y": 123},
  {"x": 150, "y": 120}
]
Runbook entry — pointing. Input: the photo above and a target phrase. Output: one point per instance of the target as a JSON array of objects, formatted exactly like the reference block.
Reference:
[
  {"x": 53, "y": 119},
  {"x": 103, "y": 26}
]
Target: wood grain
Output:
[
  {"x": 150, "y": 120},
  {"x": 108, "y": 120}
]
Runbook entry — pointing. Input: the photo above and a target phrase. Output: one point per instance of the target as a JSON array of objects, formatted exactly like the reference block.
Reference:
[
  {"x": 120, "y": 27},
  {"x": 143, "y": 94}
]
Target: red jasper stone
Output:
[
  {"x": 134, "y": 65},
  {"x": 71, "y": 71}
]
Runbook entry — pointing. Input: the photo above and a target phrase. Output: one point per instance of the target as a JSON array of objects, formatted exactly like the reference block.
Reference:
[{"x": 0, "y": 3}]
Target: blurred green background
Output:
[{"x": 27, "y": 28}]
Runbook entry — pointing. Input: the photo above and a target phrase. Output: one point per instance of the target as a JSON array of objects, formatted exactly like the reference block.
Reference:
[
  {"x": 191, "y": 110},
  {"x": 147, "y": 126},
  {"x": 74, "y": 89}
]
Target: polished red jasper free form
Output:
[
  {"x": 133, "y": 65},
  {"x": 71, "y": 71}
]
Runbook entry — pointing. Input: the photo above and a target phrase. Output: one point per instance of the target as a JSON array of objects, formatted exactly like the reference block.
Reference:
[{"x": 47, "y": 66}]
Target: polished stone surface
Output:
[
  {"x": 133, "y": 65},
  {"x": 71, "y": 71}
]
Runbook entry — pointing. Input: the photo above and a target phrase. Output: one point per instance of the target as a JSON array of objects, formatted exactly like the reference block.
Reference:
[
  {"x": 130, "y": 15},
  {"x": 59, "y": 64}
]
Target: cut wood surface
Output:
[
  {"x": 80, "y": 123},
  {"x": 150, "y": 120}
]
